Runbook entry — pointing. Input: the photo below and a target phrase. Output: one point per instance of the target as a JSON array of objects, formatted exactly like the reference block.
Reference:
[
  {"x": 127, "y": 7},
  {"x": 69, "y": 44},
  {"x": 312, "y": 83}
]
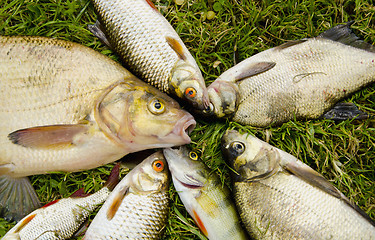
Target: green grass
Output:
[{"x": 344, "y": 153}]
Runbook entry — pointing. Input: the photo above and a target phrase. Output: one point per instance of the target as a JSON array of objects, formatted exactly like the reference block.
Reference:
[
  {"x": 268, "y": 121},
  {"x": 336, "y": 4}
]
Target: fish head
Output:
[
  {"x": 138, "y": 116},
  {"x": 187, "y": 83},
  {"x": 224, "y": 98},
  {"x": 151, "y": 175},
  {"x": 186, "y": 169},
  {"x": 250, "y": 157}
]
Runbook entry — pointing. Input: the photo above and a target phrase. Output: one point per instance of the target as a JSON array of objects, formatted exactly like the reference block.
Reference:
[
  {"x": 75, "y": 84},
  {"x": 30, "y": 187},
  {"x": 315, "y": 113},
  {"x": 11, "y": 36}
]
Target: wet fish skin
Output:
[
  {"x": 138, "y": 207},
  {"x": 150, "y": 48},
  {"x": 61, "y": 218},
  {"x": 66, "y": 107},
  {"x": 301, "y": 79},
  {"x": 279, "y": 197},
  {"x": 204, "y": 196}
]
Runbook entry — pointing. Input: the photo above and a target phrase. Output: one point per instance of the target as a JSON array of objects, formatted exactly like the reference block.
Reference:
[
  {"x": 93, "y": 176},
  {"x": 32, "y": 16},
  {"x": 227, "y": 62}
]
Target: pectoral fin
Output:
[
  {"x": 253, "y": 69},
  {"x": 97, "y": 31},
  {"x": 53, "y": 136},
  {"x": 312, "y": 177},
  {"x": 116, "y": 203},
  {"x": 176, "y": 46}
]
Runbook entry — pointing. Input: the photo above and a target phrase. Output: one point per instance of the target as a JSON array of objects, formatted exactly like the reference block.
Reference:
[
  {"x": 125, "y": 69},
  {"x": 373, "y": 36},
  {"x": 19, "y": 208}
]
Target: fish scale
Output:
[
  {"x": 140, "y": 51},
  {"x": 59, "y": 220}
]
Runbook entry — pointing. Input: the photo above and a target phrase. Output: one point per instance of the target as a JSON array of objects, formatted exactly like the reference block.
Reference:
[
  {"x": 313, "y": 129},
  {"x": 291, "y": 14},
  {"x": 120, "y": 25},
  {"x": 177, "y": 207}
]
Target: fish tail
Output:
[
  {"x": 113, "y": 178},
  {"x": 17, "y": 198}
]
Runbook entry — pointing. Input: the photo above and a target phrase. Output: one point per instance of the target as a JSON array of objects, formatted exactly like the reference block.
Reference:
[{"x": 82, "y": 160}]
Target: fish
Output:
[
  {"x": 61, "y": 218},
  {"x": 149, "y": 47},
  {"x": 207, "y": 200},
  {"x": 300, "y": 79},
  {"x": 65, "y": 107},
  {"x": 138, "y": 207},
  {"x": 280, "y": 197}
]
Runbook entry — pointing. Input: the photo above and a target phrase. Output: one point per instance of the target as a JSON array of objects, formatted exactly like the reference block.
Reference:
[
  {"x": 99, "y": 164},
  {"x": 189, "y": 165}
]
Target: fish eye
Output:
[
  {"x": 193, "y": 156},
  {"x": 158, "y": 165},
  {"x": 209, "y": 109},
  {"x": 237, "y": 147},
  {"x": 156, "y": 106},
  {"x": 190, "y": 92}
]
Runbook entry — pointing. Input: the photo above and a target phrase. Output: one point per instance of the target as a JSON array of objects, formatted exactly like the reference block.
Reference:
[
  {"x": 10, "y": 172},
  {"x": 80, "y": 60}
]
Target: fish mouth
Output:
[{"x": 184, "y": 127}]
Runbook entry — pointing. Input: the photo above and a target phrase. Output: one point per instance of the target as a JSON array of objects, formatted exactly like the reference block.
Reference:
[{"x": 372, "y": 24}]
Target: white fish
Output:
[
  {"x": 150, "y": 48},
  {"x": 138, "y": 207},
  {"x": 301, "y": 79},
  {"x": 279, "y": 197},
  {"x": 61, "y": 218},
  {"x": 66, "y": 107}
]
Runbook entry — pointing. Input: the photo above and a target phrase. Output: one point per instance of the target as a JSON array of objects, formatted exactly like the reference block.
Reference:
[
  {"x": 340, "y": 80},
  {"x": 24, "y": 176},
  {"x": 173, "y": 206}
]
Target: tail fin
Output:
[
  {"x": 113, "y": 178},
  {"x": 17, "y": 198}
]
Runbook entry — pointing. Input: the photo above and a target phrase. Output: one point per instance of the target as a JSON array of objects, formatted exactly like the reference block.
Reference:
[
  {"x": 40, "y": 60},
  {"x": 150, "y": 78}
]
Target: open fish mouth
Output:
[{"x": 184, "y": 127}]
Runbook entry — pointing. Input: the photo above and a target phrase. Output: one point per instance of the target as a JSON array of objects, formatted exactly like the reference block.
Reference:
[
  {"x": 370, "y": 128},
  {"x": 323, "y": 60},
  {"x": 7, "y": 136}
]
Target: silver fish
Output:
[
  {"x": 66, "y": 107},
  {"x": 301, "y": 79},
  {"x": 279, "y": 197},
  {"x": 205, "y": 198},
  {"x": 138, "y": 207},
  {"x": 150, "y": 48}
]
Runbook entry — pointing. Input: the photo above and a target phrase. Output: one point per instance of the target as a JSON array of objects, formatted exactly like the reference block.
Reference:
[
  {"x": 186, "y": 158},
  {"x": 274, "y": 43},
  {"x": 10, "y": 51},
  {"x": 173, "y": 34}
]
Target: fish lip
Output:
[{"x": 184, "y": 127}]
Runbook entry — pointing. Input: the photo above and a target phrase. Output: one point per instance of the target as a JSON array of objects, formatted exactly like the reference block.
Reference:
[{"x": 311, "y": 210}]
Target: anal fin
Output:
[
  {"x": 343, "y": 111},
  {"x": 17, "y": 198}
]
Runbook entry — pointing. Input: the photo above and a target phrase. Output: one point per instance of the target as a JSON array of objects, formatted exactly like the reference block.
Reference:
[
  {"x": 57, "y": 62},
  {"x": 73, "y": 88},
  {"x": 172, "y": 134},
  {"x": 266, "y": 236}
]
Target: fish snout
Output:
[
  {"x": 224, "y": 98},
  {"x": 184, "y": 127}
]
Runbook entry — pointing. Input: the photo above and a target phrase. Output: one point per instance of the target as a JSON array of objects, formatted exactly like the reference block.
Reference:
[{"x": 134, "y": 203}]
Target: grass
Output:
[{"x": 343, "y": 152}]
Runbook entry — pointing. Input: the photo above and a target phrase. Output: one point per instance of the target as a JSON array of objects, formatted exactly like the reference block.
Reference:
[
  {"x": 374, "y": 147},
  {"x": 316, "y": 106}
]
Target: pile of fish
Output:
[{"x": 66, "y": 107}]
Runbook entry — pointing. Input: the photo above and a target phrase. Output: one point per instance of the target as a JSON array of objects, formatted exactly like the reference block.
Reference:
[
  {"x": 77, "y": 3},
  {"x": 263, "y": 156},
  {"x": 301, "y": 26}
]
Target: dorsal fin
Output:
[{"x": 343, "y": 34}]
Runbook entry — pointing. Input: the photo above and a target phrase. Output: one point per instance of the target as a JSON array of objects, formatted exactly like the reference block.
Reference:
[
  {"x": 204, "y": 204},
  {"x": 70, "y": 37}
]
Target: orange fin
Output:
[
  {"x": 151, "y": 4},
  {"x": 116, "y": 203},
  {"x": 51, "y": 203},
  {"x": 113, "y": 178},
  {"x": 47, "y": 136},
  {"x": 200, "y": 224},
  {"x": 24, "y": 222},
  {"x": 176, "y": 46}
]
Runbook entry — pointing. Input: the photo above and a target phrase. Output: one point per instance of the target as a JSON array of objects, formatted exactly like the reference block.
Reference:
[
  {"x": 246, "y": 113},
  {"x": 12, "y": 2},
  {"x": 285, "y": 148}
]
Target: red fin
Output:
[
  {"x": 25, "y": 222},
  {"x": 176, "y": 46},
  {"x": 151, "y": 4},
  {"x": 116, "y": 203},
  {"x": 79, "y": 193},
  {"x": 51, "y": 203},
  {"x": 47, "y": 136},
  {"x": 200, "y": 224},
  {"x": 113, "y": 178}
]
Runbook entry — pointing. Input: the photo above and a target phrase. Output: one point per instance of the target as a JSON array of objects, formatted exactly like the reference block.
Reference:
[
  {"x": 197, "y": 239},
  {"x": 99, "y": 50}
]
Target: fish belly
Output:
[
  {"x": 50, "y": 82},
  {"x": 138, "y": 33},
  {"x": 307, "y": 80},
  {"x": 285, "y": 207}
]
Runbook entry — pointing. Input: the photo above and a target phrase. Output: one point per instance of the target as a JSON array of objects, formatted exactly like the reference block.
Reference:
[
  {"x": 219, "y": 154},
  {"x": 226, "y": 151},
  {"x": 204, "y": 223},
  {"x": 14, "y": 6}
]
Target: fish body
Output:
[
  {"x": 301, "y": 79},
  {"x": 138, "y": 207},
  {"x": 150, "y": 48},
  {"x": 66, "y": 107},
  {"x": 61, "y": 218},
  {"x": 204, "y": 196},
  {"x": 279, "y": 197}
]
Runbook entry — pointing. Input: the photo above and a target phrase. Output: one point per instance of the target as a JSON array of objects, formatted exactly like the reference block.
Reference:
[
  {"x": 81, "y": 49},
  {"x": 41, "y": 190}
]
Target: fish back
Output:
[{"x": 138, "y": 33}]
